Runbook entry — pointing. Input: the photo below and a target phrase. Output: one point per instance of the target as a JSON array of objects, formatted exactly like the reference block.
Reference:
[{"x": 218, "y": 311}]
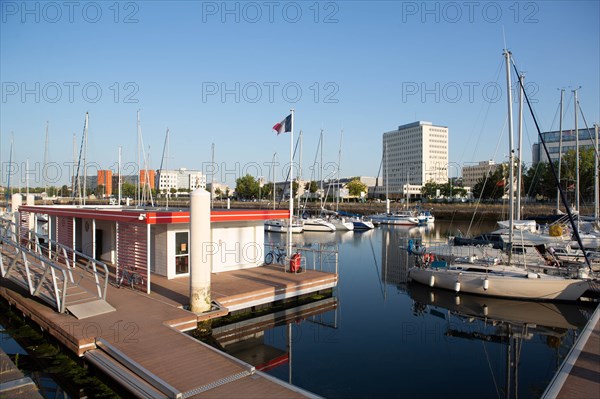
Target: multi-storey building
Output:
[
  {"x": 180, "y": 179},
  {"x": 413, "y": 155},
  {"x": 471, "y": 174},
  {"x": 105, "y": 179},
  {"x": 552, "y": 140}
]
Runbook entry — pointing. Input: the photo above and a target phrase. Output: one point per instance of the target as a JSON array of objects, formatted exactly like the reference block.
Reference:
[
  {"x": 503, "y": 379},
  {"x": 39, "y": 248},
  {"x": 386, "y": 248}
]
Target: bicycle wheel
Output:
[
  {"x": 269, "y": 258},
  {"x": 281, "y": 258},
  {"x": 137, "y": 279}
]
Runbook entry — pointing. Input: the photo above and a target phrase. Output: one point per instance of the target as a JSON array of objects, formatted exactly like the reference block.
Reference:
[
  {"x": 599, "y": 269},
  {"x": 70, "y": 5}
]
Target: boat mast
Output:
[
  {"x": 520, "y": 144},
  {"x": 321, "y": 168},
  {"x": 212, "y": 173},
  {"x": 10, "y": 168},
  {"x": 289, "y": 229},
  {"x": 596, "y": 183},
  {"x": 562, "y": 91},
  {"x": 119, "y": 176},
  {"x": 510, "y": 145},
  {"x": 45, "y": 161},
  {"x": 299, "y": 169},
  {"x": 273, "y": 168},
  {"x": 387, "y": 200},
  {"x": 576, "y": 106},
  {"x": 337, "y": 202},
  {"x": 139, "y": 197}
]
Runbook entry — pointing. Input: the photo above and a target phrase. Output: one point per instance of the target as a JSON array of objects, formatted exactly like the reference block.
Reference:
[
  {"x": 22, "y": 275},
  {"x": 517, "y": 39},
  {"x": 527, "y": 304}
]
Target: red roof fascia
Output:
[{"x": 163, "y": 217}]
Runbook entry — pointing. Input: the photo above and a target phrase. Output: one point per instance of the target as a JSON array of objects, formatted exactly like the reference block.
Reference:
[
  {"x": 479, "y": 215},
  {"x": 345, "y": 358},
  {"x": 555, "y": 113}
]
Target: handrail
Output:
[
  {"x": 60, "y": 254},
  {"x": 59, "y": 290}
]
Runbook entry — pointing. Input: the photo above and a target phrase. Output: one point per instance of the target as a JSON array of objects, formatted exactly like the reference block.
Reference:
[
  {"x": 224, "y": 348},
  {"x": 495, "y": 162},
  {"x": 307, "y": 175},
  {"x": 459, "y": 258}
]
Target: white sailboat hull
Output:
[
  {"x": 318, "y": 224},
  {"x": 363, "y": 225},
  {"x": 281, "y": 226},
  {"x": 507, "y": 285},
  {"x": 342, "y": 225}
]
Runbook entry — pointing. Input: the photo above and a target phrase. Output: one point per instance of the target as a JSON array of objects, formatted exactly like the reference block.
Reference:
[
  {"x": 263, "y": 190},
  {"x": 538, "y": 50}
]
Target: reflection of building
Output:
[
  {"x": 413, "y": 155},
  {"x": 552, "y": 140},
  {"x": 393, "y": 259}
]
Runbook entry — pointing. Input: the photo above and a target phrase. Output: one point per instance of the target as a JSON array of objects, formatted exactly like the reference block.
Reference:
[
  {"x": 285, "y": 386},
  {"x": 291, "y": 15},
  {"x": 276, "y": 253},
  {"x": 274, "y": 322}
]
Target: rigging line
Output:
[
  {"x": 487, "y": 111},
  {"x": 486, "y": 177},
  {"x": 289, "y": 170},
  {"x": 562, "y": 194},
  {"x": 487, "y": 358},
  {"x": 312, "y": 172},
  {"x": 376, "y": 266},
  {"x": 588, "y": 129}
]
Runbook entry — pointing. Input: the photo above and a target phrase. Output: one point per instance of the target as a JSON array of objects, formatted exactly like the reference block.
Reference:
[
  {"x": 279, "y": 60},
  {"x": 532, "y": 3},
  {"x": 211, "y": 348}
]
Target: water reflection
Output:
[
  {"x": 394, "y": 339},
  {"x": 514, "y": 325},
  {"x": 253, "y": 342}
]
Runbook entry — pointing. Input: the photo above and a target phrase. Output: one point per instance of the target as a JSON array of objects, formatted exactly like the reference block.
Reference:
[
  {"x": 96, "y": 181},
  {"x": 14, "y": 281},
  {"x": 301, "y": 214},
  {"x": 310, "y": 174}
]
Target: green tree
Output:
[
  {"x": 429, "y": 190},
  {"x": 100, "y": 190},
  {"x": 246, "y": 187},
  {"x": 355, "y": 187},
  {"x": 218, "y": 192},
  {"x": 128, "y": 189},
  {"x": 492, "y": 188},
  {"x": 295, "y": 186},
  {"x": 312, "y": 187}
]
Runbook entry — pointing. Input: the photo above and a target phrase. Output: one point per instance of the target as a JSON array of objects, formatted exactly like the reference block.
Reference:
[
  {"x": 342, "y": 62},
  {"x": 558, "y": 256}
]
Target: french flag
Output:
[{"x": 284, "y": 126}]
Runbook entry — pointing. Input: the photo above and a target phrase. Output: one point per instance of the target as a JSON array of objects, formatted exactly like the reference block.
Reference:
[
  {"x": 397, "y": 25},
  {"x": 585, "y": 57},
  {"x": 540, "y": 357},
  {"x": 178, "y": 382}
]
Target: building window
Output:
[{"x": 181, "y": 253}]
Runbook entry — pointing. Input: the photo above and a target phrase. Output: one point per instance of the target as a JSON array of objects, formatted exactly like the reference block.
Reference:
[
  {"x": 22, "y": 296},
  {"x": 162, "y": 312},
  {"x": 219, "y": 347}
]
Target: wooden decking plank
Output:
[
  {"x": 137, "y": 328},
  {"x": 583, "y": 380}
]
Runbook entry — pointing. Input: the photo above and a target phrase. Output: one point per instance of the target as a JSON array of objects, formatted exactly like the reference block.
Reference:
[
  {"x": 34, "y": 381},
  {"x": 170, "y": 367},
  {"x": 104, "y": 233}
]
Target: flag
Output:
[{"x": 284, "y": 126}]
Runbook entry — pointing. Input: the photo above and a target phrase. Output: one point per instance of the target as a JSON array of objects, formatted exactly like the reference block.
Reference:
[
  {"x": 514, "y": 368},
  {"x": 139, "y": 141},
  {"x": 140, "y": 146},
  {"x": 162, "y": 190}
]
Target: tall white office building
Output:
[{"x": 413, "y": 155}]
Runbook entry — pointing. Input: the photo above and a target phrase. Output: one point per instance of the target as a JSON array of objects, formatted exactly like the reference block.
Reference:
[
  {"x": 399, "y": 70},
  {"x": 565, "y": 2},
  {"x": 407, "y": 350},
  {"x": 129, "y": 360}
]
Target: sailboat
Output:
[
  {"x": 482, "y": 277},
  {"x": 398, "y": 218},
  {"x": 339, "y": 221},
  {"x": 312, "y": 223},
  {"x": 281, "y": 225}
]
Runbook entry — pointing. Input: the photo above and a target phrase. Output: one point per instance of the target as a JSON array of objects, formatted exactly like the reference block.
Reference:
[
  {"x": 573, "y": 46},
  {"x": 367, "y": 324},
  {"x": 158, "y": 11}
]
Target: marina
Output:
[{"x": 306, "y": 345}]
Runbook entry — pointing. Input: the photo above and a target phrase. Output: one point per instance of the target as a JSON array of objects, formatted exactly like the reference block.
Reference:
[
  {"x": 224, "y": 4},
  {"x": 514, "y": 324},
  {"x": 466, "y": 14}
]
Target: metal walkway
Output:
[{"x": 64, "y": 278}]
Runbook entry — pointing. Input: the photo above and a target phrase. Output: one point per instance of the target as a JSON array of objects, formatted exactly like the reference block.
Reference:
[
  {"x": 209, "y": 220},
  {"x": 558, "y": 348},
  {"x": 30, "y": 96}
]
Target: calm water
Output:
[{"x": 380, "y": 337}]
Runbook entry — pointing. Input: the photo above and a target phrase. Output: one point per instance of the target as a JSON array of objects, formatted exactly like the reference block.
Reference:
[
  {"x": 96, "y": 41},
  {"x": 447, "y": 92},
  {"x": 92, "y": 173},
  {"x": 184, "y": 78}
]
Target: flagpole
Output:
[{"x": 289, "y": 230}]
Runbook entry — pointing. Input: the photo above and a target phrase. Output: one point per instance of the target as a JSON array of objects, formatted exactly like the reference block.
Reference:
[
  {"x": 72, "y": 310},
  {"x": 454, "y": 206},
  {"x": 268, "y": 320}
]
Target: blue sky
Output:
[{"x": 226, "y": 72}]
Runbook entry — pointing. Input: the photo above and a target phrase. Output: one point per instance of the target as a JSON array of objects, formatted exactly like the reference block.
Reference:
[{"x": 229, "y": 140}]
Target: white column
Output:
[{"x": 200, "y": 262}]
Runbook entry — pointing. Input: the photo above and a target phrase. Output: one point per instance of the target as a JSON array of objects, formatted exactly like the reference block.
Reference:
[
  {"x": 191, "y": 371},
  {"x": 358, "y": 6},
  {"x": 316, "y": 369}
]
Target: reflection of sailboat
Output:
[{"x": 499, "y": 321}]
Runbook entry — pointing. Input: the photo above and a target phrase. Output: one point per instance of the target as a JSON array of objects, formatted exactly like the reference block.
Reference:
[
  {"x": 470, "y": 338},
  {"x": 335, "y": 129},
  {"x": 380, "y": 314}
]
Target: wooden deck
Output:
[
  {"x": 579, "y": 376},
  {"x": 241, "y": 289},
  {"x": 147, "y": 329}
]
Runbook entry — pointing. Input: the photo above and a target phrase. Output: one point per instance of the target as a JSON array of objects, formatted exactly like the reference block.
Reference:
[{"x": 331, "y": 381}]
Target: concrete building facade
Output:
[
  {"x": 180, "y": 179},
  {"x": 471, "y": 174},
  {"x": 414, "y": 154},
  {"x": 552, "y": 140}
]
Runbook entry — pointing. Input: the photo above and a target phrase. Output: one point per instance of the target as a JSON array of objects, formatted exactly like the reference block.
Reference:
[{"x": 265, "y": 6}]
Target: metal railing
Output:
[
  {"x": 319, "y": 256},
  {"x": 38, "y": 275},
  {"x": 51, "y": 255}
]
